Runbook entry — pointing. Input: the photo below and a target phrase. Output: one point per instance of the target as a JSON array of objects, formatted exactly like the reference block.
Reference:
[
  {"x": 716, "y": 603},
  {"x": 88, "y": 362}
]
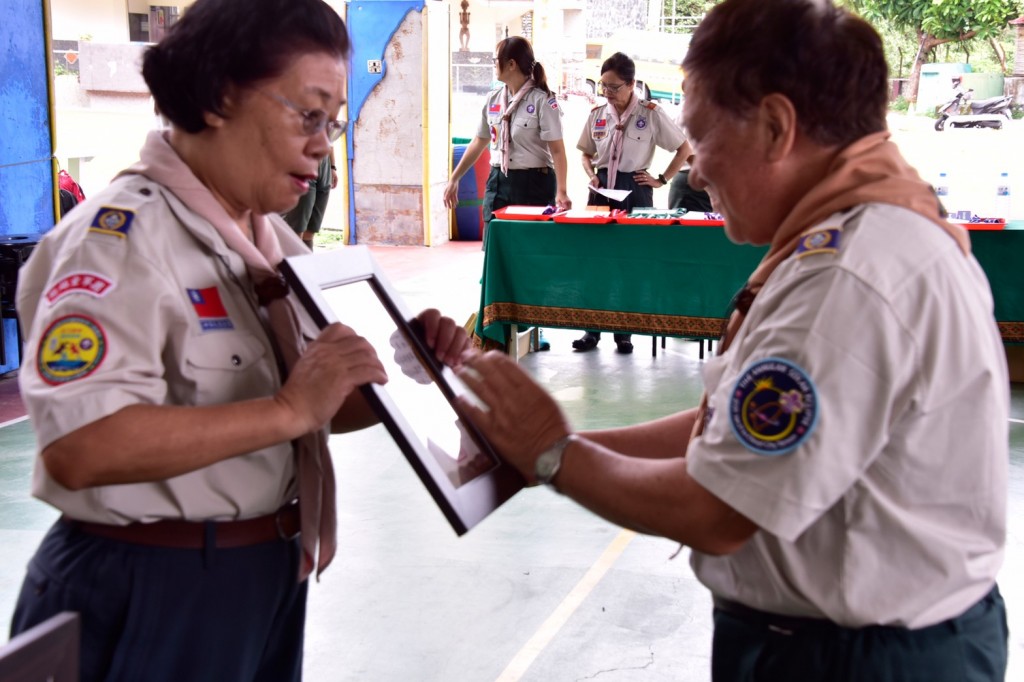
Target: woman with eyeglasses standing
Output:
[
  {"x": 618, "y": 144},
  {"x": 522, "y": 122},
  {"x": 180, "y": 410}
]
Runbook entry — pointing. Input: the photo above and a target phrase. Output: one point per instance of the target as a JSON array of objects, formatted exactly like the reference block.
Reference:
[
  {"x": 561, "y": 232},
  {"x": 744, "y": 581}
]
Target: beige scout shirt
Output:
[
  {"x": 536, "y": 121},
  {"x": 134, "y": 299},
  {"x": 649, "y": 126},
  {"x": 860, "y": 419}
]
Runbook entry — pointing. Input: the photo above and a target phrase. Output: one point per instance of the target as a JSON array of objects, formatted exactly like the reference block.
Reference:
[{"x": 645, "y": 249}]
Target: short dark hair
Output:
[
  {"x": 828, "y": 62},
  {"x": 622, "y": 65},
  {"x": 520, "y": 51},
  {"x": 222, "y": 43}
]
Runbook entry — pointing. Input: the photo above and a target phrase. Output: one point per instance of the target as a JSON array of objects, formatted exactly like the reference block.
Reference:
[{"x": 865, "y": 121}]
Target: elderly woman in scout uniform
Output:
[
  {"x": 522, "y": 122},
  {"x": 618, "y": 144},
  {"x": 181, "y": 413}
]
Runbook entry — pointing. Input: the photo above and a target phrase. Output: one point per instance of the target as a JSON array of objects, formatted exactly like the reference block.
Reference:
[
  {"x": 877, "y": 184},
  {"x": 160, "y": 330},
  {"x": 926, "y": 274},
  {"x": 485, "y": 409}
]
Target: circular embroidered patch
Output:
[
  {"x": 530, "y": 108},
  {"x": 72, "y": 347},
  {"x": 774, "y": 407},
  {"x": 641, "y": 123}
]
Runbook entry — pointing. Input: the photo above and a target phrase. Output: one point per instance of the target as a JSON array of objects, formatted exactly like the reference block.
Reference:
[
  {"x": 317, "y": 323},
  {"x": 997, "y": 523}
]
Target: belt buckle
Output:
[{"x": 277, "y": 523}]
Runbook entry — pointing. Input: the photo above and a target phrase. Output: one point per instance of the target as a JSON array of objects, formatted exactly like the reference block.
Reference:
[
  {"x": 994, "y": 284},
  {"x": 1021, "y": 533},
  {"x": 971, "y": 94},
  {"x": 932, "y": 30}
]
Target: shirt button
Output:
[{"x": 235, "y": 360}]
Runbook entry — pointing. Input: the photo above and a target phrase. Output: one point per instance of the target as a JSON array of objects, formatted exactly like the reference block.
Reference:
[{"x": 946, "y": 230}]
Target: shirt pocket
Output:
[
  {"x": 526, "y": 122},
  {"x": 228, "y": 366},
  {"x": 644, "y": 136}
]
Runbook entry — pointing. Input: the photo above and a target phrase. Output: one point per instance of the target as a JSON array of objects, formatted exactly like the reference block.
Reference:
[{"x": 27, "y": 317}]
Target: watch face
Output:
[{"x": 547, "y": 466}]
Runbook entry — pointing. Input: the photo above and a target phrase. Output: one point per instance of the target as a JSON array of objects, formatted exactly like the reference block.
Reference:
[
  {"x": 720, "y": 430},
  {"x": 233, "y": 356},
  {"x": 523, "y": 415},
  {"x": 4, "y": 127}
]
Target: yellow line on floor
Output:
[{"x": 547, "y": 631}]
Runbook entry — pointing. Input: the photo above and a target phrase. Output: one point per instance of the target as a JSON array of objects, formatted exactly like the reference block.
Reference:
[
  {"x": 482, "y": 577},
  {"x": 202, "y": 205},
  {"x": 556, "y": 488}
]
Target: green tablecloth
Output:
[{"x": 665, "y": 280}]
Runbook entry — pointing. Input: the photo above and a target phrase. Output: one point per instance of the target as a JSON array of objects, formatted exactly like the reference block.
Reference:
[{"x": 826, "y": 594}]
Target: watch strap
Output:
[{"x": 549, "y": 462}]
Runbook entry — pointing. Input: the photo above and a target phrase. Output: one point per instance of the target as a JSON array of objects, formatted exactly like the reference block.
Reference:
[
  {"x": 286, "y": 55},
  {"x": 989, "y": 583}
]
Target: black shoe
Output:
[
  {"x": 624, "y": 347},
  {"x": 586, "y": 343}
]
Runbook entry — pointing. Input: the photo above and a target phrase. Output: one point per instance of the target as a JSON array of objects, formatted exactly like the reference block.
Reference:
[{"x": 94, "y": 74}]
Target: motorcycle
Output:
[{"x": 964, "y": 112}]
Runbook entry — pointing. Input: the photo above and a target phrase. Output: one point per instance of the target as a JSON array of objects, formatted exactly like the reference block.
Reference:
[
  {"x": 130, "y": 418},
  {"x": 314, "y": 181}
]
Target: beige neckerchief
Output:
[
  {"x": 159, "y": 162},
  {"x": 871, "y": 170}
]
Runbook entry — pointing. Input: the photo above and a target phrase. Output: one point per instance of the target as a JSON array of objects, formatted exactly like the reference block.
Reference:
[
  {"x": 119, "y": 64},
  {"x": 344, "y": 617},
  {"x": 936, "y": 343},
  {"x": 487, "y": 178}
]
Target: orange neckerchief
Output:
[{"x": 871, "y": 170}]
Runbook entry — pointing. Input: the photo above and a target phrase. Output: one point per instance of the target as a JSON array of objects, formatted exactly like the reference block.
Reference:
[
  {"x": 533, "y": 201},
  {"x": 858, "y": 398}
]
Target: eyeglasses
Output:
[
  {"x": 314, "y": 121},
  {"x": 612, "y": 89}
]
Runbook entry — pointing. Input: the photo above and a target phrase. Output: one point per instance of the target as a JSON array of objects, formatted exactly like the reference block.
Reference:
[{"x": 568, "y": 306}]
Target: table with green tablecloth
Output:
[{"x": 662, "y": 280}]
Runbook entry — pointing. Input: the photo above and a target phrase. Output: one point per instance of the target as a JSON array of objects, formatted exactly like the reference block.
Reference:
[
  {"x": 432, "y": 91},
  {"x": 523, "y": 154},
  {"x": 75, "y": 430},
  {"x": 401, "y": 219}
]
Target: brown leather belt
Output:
[{"x": 281, "y": 525}]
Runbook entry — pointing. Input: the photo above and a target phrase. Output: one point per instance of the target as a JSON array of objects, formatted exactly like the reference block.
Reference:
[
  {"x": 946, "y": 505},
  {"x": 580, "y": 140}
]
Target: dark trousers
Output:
[
  {"x": 167, "y": 615},
  {"x": 969, "y": 648},
  {"x": 308, "y": 214},
  {"x": 641, "y": 196},
  {"x": 521, "y": 187},
  {"x": 681, "y": 195}
]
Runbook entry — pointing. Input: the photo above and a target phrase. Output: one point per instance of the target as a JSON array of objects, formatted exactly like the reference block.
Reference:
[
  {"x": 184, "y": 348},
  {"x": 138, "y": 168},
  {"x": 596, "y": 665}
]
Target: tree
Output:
[
  {"x": 681, "y": 16},
  {"x": 938, "y": 22}
]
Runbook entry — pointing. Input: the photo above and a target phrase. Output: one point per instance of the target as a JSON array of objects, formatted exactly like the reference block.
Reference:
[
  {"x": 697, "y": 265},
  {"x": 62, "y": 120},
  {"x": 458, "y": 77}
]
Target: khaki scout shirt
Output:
[
  {"x": 648, "y": 127},
  {"x": 860, "y": 419},
  {"x": 536, "y": 121},
  {"x": 133, "y": 299}
]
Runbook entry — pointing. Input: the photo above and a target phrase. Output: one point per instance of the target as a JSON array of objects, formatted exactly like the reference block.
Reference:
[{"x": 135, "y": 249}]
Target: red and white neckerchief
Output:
[{"x": 509, "y": 108}]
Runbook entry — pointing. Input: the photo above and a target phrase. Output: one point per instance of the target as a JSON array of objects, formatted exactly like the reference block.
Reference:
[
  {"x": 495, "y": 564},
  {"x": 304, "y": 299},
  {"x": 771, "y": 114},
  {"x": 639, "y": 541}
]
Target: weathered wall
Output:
[
  {"x": 399, "y": 160},
  {"x": 606, "y": 16}
]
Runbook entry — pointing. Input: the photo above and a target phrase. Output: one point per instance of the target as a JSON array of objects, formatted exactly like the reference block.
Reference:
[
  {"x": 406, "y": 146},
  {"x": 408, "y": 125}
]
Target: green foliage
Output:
[
  {"x": 944, "y": 19},
  {"x": 680, "y": 16},
  {"x": 1017, "y": 111},
  {"x": 900, "y": 104},
  {"x": 328, "y": 238}
]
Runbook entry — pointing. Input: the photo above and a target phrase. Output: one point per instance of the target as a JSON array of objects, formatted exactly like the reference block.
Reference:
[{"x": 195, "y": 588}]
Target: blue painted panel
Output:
[
  {"x": 371, "y": 23},
  {"x": 26, "y": 207},
  {"x": 24, "y": 100},
  {"x": 26, "y": 198},
  {"x": 11, "y": 358}
]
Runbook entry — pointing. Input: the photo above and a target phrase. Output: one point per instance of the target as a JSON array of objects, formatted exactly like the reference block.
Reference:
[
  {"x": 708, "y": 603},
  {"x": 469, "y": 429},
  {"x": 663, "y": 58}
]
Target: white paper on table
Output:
[
  {"x": 525, "y": 210},
  {"x": 613, "y": 194}
]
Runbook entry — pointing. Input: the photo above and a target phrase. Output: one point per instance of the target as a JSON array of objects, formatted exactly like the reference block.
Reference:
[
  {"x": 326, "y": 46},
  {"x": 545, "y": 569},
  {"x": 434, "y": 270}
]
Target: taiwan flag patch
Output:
[
  {"x": 208, "y": 306},
  {"x": 494, "y": 109}
]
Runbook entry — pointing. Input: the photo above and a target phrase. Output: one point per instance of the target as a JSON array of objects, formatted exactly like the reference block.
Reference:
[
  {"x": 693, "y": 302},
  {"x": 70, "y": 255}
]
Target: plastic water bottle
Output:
[{"x": 1001, "y": 208}]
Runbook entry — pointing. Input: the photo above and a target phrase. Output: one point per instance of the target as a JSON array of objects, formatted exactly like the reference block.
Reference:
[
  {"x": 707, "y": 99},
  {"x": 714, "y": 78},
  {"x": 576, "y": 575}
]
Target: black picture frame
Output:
[
  {"x": 47, "y": 651},
  {"x": 347, "y": 285}
]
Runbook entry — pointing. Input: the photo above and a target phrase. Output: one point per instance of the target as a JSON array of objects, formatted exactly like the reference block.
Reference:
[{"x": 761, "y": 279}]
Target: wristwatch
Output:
[
  {"x": 661, "y": 176},
  {"x": 546, "y": 467}
]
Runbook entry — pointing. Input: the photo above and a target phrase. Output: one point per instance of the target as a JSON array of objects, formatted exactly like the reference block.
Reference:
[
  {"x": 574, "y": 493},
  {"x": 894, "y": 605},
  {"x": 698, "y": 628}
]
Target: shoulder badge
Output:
[
  {"x": 89, "y": 283},
  {"x": 553, "y": 103},
  {"x": 650, "y": 105},
  {"x": 773, "y": 407},
  {"x": 825, "y": 240},
  {"x": 72, "y": 348},
  {"x": 113, "y": 221}
]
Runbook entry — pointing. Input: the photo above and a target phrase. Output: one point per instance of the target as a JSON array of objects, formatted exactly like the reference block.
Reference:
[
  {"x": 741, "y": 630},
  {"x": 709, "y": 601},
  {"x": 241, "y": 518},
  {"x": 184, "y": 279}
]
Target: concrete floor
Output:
[{"x": 541, "y": 590}]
